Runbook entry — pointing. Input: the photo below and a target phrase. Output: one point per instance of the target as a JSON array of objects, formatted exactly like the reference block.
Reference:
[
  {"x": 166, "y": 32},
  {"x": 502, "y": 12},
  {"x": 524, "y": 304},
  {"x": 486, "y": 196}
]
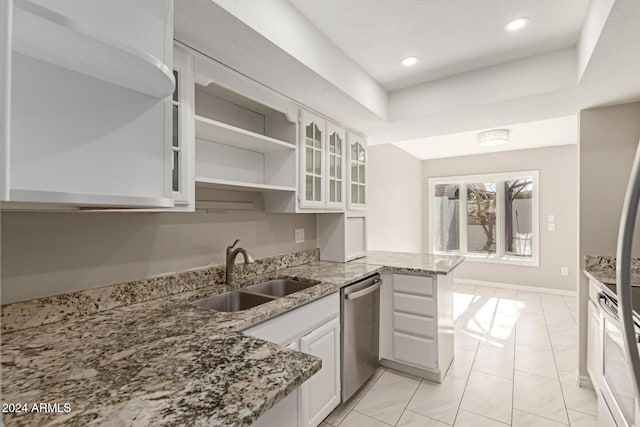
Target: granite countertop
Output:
[
  {"x": 412, "y": 262},
  {"x": 166, "y": 362},
  {"x": 602, "y": 269}
]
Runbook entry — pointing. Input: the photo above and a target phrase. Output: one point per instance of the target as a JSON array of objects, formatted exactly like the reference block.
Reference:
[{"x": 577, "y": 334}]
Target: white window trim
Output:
[{"x": 499, "y": 257}]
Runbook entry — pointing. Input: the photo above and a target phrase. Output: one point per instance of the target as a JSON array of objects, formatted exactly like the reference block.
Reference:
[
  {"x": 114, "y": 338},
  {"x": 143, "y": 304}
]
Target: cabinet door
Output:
[
  {"x": 357, "y": 187},
  {"x": 594, "y": 344},
  {"x": 182, "y": 137},
  {"x": 386, "y": 316},
  {"x": 312, "y": 171},
  {"x": 321, "y": 393},
  {"x": 101, "y": 133},
  {"x": 335, "y": 169}
]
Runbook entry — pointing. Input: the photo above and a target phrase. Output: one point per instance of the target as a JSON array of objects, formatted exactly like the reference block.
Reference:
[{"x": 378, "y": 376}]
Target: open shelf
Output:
[
  {"x": 222, "y": 184},
  {"x": 212, "y": 130},
  {"x": 48, "y": 36}
]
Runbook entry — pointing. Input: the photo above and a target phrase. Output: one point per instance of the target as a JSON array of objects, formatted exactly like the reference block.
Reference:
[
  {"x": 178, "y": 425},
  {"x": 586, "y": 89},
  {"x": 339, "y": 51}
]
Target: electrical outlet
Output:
[
  {"x": 552, "y": 218},
  {"x": 551, "y": 226},
  {"x": 299, "y": 235},
  {"x": 564, "y": 271}
]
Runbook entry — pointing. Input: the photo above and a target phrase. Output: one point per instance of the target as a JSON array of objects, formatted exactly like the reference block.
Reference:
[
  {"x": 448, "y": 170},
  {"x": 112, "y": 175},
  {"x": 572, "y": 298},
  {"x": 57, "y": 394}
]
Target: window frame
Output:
[{"x": 500, "y": 257}]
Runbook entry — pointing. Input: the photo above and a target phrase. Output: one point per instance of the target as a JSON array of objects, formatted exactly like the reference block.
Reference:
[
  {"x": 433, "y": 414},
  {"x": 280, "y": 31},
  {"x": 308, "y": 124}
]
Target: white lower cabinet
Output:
[
  {"x": 594, "y": 345},
  {"x": 416, "y": 324},
  {"x": 416, "y": 350},
  {"x": 320, "y": 394},
  {"x": 313, "y": 329}
]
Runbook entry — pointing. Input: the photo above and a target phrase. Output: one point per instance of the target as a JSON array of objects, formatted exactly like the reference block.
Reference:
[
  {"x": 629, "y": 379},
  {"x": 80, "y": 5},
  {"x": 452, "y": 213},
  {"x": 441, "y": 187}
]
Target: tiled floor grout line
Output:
[
  {"x": 368, "y": 416},
  {"x": 358, "y": 401},
  {"x": 466, "y": 384},
  {"x": 409, "y": 401},
  {"x": 515, "y": 346},
  {"x": 569, "y": 308},
  {"x": 485, "y": 335},
  {"x": 475, "y": 356},
  {"x": 553, "y": 353}
]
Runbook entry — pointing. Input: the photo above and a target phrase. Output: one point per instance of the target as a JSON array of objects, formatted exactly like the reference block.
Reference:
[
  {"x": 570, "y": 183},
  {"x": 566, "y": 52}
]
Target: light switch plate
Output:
[
  {"x": 552, "y": 218},
  {"x": 299, "y": 235},
  {"x": 564, "y": 271},
  {"x": 551, "y": 226}
]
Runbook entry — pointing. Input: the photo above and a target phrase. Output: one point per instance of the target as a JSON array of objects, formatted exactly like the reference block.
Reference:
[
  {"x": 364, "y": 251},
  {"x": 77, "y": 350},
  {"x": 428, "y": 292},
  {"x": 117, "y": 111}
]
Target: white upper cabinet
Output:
[
  {"x": 182, "y": 135},
  {"x": 312, "y": 159},
  {"x": 87, "y": 110},
  {"x": 335, "y": 166},
  {"x": 357, "y": 186},
  {"x": 97, "y": 39},
  {"x": 323, "y": 150}
]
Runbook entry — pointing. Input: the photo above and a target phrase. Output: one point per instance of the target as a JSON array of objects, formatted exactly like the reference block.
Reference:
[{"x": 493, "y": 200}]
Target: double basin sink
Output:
[{"x": 252, "y": 296}]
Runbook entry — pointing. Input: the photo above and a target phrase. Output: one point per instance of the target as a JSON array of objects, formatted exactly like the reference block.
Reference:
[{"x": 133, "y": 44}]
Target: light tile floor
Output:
[{"x": 515, "y": 365}]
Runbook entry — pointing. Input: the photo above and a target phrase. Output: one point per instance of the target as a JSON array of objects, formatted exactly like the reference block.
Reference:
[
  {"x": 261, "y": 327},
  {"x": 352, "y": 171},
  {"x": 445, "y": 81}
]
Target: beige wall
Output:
[
  {"x": 608, "y": 141},
  {"x": 394, "y": 216},
  {"x": 558, "y": 188},
  {"x": 51, "y": 253}
]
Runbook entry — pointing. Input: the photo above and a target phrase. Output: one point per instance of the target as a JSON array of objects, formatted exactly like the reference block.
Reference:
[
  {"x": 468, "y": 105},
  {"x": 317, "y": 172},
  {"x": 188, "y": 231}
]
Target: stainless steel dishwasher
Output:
[{"x": 360, "y": 325}]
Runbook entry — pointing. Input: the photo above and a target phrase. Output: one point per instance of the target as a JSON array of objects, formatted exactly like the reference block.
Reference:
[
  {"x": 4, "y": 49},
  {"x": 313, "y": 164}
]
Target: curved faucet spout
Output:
[{"x": 231, "y": 261}]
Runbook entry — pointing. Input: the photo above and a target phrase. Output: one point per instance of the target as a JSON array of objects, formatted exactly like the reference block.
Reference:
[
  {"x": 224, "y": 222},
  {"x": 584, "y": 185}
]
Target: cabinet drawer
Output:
[
  {"x": 414, "y": 350},
  {"x": 414, "y": 304},
  {"x": 418, "y": 325},
  {"x": 419, "y": 285}
]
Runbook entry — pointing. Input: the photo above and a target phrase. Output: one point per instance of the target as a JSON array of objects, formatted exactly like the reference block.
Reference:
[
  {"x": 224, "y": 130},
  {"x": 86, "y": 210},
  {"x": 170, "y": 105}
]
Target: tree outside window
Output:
[{"x": 492, "y": 216}]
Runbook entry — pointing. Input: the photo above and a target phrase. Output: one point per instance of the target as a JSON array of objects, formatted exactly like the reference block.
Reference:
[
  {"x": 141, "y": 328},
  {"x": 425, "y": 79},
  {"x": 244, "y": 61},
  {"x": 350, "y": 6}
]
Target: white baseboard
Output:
[
  {"x": 585, "y": 382},
  {"x": 541, "y": 289}
]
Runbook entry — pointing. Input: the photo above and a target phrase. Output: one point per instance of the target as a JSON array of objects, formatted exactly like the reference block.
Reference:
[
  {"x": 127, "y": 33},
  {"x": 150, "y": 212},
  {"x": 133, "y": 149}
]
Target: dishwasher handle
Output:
[
  {"x": 605, "y": 301},
  {"x": 375, "y": 285}
]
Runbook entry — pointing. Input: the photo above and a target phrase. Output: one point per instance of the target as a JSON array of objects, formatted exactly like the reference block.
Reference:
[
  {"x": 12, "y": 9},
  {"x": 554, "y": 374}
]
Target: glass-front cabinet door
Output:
[
  {"x": 182, "y": 181},
  {"x": 357, "y": 186},
  {"x": 312, "y": 161},
  {"x": 336, "y": 154}
]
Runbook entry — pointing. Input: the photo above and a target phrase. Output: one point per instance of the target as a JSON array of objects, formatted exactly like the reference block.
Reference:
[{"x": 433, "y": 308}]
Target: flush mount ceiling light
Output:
[
  {"x": 493, "y": 137},
  {"x": 409, "y": 61},
  {"x": 516, "y": 24}
]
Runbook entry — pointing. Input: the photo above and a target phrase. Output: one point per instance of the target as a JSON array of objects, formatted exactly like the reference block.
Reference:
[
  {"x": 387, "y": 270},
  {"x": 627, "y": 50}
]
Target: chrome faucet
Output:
[{"x": 231, "y": 260}]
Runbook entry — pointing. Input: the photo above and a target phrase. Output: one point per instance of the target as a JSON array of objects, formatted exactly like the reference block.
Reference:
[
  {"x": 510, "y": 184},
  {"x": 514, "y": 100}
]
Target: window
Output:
[
  {"x": 491, "y": 217},
  {"x": 176, "y": 146}
]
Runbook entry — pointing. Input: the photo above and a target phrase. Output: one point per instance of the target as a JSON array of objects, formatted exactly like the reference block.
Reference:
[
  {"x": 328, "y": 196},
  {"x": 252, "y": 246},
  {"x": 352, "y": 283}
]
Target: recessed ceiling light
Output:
[
  {"x": 516, "y": 24},
  {"x": 409, "y": 61},
  {"x": 493, "y": 137}
]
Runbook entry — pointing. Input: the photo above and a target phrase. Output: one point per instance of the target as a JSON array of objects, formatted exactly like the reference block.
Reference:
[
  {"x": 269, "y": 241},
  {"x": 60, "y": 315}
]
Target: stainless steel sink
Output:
[
  {"x": 278, "y": 287},
  {"x": 232, "y": 301},
  {"x": 253, "y": 295}
]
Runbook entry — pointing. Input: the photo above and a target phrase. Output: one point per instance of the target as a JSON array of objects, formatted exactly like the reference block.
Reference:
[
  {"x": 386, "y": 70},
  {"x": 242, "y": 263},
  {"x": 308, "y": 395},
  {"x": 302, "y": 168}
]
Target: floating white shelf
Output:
[
  {"x": 46, "y": 35},
  {"x": 88, "y": 200},
  {"x": 223, "y": 184},
  {"x": 215, "y": 131}
]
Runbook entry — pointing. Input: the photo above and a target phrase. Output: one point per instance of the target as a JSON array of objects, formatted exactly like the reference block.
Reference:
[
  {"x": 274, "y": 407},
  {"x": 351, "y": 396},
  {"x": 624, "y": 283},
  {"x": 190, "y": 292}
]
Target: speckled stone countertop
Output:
[
  {"x": 165, "y": 362},
  {"x": 603, "y": 269},
  {"x": 412, "y": 262}
]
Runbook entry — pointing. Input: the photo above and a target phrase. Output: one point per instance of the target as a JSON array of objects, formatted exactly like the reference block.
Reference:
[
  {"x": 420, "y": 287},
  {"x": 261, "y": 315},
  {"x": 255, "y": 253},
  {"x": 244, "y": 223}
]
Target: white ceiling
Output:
[
  {"x": 541, "y": 133},
  {"x": 281, "y": 47},
  {"x": 449, "y": 37}
]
